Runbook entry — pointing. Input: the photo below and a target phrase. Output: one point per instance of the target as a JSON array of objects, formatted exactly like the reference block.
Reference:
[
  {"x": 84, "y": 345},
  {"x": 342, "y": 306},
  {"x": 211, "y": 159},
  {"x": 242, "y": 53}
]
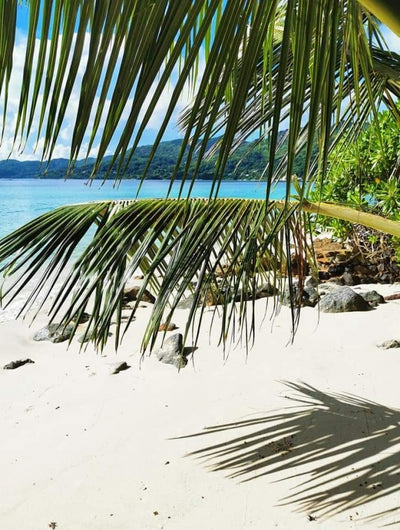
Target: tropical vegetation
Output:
[
  {"x": 364, "y": 173},
  {"x": 319, "y": 69}
]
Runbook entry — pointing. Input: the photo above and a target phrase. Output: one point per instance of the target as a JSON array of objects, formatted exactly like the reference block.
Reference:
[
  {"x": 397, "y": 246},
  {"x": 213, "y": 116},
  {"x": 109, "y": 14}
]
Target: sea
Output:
[{"x": 21, "y": 200}]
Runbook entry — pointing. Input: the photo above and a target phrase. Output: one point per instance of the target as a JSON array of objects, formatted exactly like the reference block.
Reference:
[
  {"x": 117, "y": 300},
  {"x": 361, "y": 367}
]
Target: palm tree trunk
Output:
[{"x": 351, "y": 215}]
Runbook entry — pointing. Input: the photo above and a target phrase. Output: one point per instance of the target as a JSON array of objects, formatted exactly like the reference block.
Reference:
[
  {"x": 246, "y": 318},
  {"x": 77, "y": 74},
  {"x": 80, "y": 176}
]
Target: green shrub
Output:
[{"x": 364, "y": 174}]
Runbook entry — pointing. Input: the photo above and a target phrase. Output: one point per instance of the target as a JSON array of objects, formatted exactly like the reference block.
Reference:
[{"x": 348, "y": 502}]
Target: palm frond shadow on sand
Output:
[{"x": 343, "y": 451}]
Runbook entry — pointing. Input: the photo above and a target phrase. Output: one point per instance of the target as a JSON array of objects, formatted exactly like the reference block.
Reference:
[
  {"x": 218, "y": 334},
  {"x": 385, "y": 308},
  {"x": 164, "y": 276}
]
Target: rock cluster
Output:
[{"x": 346, "y": 265}]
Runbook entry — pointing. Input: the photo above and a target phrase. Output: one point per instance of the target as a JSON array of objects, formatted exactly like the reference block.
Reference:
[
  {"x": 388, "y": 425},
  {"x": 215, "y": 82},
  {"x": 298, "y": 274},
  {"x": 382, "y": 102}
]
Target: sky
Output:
[{"x": 32, "y": 151}]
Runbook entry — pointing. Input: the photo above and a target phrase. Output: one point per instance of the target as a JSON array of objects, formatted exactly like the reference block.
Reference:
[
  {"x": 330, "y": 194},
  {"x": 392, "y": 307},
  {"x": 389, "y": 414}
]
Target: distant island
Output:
[{"x": 247, "y": 163}]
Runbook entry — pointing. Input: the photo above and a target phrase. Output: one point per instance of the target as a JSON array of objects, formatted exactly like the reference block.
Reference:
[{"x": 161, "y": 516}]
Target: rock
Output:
[
  {"x": 312, "y": 281},
  {"x": 313, "y": 295},
  {"x": 16, "y": 364},
  {"x": 131, "y": 294},
  {"x": 336, "y": 280},
  {"x": 307, "y": 297},
  {"x": 171, "y": 352},
  {"x": 343, "y": 300},
  {"x": 167, "y": 327},
  {"x": 186, "y": 303},
  {"x": 388, "y": 344},
  {"x": 265, "y": 290},
  {"x": 328, "y": 287},
  {"x": 54, "y": 333},
  {"x": 336, "y": 269},
  {"x": 84, "y": 317},
  {"x": 373, "y": 298},
  {"x": 349, "y": 279},
  {"x": 120, "y": 367}
]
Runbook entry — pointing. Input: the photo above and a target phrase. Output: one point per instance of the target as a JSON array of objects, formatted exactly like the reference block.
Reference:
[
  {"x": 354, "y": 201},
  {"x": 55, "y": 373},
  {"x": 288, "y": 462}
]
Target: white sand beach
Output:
[{"x": 295, "y": 436}]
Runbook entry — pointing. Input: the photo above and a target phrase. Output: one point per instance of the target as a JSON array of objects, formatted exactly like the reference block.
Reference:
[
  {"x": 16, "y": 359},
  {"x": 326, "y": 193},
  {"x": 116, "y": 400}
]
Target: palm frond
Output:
[
  {"x": 264, "y": 63},
  {"x": 220, "y": 252}
]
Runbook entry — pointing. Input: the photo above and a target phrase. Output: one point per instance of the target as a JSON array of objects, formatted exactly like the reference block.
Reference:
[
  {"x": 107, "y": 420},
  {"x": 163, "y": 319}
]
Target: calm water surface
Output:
[{"x": 24, "y": 199}]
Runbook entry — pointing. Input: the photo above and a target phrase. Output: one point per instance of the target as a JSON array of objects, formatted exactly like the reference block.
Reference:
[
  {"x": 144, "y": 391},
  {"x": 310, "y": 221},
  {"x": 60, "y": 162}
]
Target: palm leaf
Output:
[
  {"x": 220, "y": 251},
  {"x": 254, "y": 51},
  {"x": 179, "y": 246}
]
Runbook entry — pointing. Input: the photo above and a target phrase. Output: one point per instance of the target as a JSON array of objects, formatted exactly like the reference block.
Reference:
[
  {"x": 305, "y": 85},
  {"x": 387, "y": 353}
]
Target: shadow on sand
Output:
[{"x": 343, "y": 451}]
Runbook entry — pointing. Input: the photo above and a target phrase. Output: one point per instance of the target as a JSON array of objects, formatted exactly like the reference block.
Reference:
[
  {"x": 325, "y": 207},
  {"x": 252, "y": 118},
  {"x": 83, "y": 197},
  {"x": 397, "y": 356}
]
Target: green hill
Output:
[{"x": 244, "y": 164}]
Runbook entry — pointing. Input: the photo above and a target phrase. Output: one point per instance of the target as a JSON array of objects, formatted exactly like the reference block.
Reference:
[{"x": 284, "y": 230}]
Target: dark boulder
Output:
[{"x": 343, "y": 300}]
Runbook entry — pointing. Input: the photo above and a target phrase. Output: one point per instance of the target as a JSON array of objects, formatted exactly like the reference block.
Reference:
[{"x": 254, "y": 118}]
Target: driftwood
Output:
[{"x": 395, "y": 296}]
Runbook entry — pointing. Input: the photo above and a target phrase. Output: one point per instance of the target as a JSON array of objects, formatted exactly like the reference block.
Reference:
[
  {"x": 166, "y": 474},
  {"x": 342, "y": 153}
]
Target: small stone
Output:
[
  {"x": 16, "y": 364},
  {"x": 54, "y": 333},
  {"x": 307, "y": 296},
  {"x": 187, "y": 302},
  {"x": 312, "y": 281},
  {"x": 120, "y": 367},
  {"x": 389, "y": 344},
  {"x": 171, "y": 352},
  {"x": 312, "y": 294},
  {"x": 167, "y": 327},
  {"x": 373, "y": 298},
  {"x": 395, "y": 296},
  {"x": 84, "y": 317},
  {"x": 131, "y": 294}
]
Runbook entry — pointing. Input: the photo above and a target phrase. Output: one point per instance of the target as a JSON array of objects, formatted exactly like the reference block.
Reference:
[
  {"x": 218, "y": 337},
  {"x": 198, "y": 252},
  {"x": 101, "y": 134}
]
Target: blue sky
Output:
[{"x": 62, "y": 148}]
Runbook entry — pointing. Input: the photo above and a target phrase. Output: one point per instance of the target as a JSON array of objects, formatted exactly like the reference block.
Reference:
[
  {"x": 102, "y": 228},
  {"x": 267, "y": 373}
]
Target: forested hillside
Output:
[{"x": 245, "y": 164}]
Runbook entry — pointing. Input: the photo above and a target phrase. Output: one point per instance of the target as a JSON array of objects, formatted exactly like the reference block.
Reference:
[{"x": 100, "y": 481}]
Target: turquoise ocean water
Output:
[{"x": 24, "y": 199}]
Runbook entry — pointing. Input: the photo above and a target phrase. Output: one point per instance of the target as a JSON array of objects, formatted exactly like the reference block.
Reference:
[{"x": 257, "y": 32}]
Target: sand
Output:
[{"x": 293, "y": 436}]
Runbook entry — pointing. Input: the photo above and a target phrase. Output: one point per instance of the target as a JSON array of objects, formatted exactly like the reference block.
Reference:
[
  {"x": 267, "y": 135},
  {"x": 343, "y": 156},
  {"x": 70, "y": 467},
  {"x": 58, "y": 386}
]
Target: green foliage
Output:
[{"x": 364, "y": 174}]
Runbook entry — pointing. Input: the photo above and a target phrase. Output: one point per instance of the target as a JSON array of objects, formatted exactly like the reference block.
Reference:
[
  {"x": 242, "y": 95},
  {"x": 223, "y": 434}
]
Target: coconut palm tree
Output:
[{"x": 321, "y": 68}]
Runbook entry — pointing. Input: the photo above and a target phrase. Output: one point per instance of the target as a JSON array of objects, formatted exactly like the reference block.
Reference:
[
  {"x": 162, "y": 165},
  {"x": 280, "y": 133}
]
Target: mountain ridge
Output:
[{"x": 247, "y": 163}]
